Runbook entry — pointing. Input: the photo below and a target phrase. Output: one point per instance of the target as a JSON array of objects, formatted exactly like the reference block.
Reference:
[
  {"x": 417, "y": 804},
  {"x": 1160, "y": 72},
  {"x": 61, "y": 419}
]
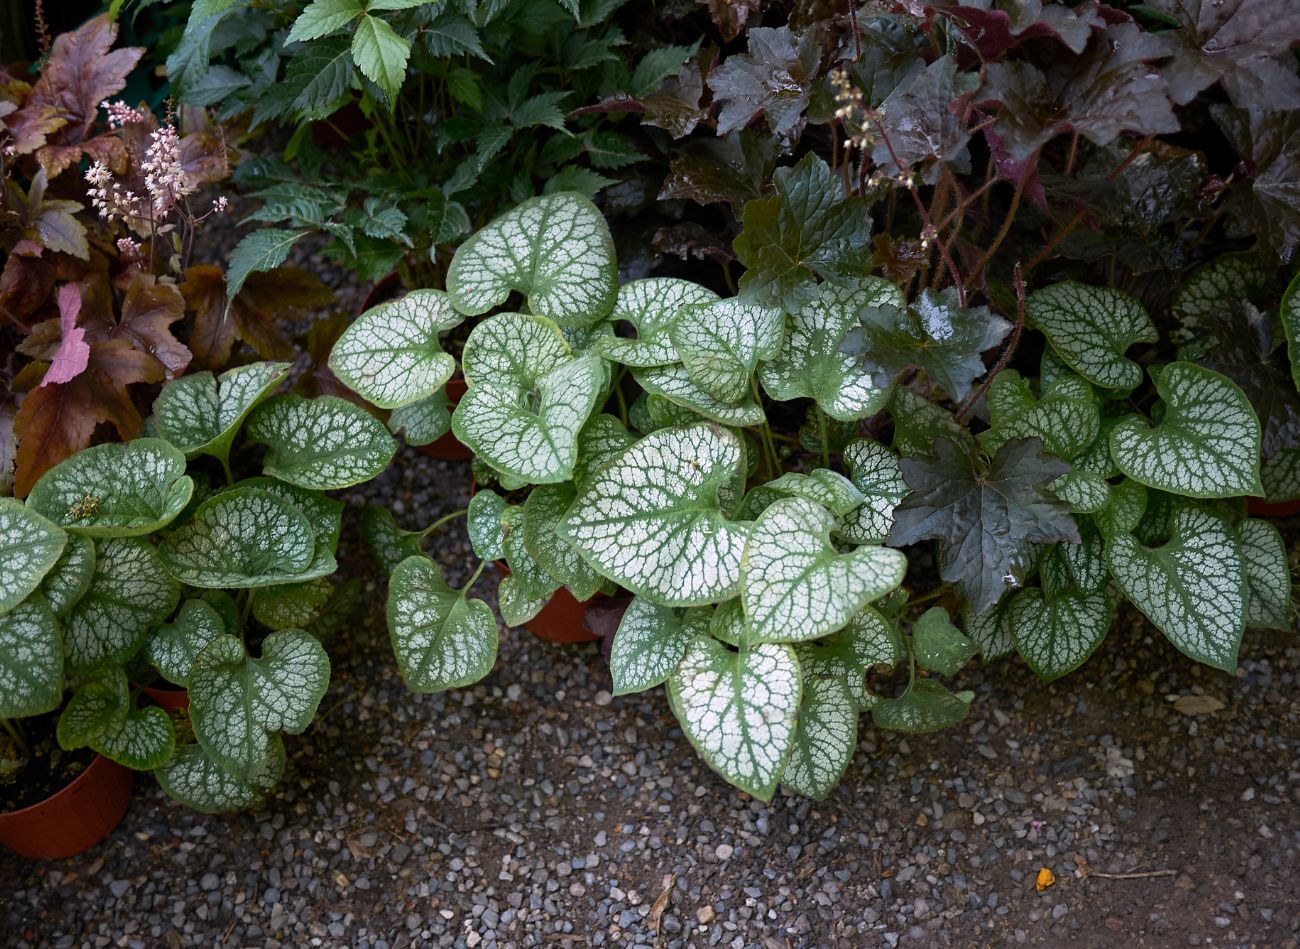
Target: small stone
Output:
[
  {"x": 209, "y": 882},
  {"x": 705, "y": 915},
  {"x": 724, "y": 851}
]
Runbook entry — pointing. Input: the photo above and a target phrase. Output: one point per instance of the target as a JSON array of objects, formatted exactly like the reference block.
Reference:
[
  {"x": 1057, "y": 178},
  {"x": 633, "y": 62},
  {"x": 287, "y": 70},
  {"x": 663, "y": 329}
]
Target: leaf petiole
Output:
[{"x": 443, "y": 520}]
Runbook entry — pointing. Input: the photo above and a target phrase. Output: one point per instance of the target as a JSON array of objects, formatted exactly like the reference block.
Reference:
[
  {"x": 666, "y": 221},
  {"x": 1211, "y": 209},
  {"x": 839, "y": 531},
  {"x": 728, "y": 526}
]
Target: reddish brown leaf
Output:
[
  {"x": 212, "y": 330},
  {"x": 148, "y": 312},
  {"x": 270, "y": 298},
  {"x": 73, "y": 355},
  {"x": 8, "y": 449},
  {"x": 204, "y": 157},
  {"x": 730, "y": 16},
  {"x": 31, "y": 127},
  {"x": 25, "y": 286}
]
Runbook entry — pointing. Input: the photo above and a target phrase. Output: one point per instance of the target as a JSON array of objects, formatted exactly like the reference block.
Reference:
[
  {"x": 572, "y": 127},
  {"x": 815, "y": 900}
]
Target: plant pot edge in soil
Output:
[{"x": 73, "y": 819}]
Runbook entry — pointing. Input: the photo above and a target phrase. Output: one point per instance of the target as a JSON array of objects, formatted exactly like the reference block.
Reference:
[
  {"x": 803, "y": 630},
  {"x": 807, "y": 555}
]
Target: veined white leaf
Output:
[
  {"x": 122, "y": 489},
  {"x": 245, "y": 537},
  {"x": 173, "y": 647},
  {"x": 1123, "y": 510},
  {"x": 650, "y": 520},
  {"x": 441, "y": 639},
  {"x": 810, "y": 364},
  {"x": 1057, "y": 635},
  {"x": 239, "y": 704},
  {"x": 1091, "y": 328},
  {"x": 1268, "y": 575},
  {"x": 1085, "y": 492},
  {"x": 1291, "y": 326},
  {"x": 392, "y": 355},
  {"x": 31, "y": 660},
  {"x": 825, "y": 737},
  {"x": 198, "y": 782},
  {"x": 793, "y": 584},
  {"x": 130, "y": 593},
  {"x": 650, "y": 642},
  {"x": 1207, "y": 444},
  {"x": 556, "y": 250},
  {"x": 30, "y": 546},
  {"x": 868, "y": 640},
  {"x": 830, "y": 489},
  {"x": 70, "y": 577},
  {"x": 100, "y": 715},
  {"x": 991, "y": 630},
  {"x": 1193, "y": 587},
  {"x": 513, "y": 347},
  {"x": 522, "y": 594},
  {"x": 721, "y": 344},
  {"x": 292, "y": 605},
  {"x": 738, "y": 709},
  {"x": 322, "y": 443},
  {"x": 602, "y": 440},
  {"x": 201, "y": 413},
  {"x": 423, "y": 422},
  {"x": 1066, "y": 419},
  {"x": 728, "y": 623},
  {"x": 874, "y": 471},
  {"x": 487, "y": 535},
  {"x": 651, "y": 306},
  {"x": 324, "y": 514},
  {"x": 542, "y": 514},
  {"x": 675, "y": 384}
]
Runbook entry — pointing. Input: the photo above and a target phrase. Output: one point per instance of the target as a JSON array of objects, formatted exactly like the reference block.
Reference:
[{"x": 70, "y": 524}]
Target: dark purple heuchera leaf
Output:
[
  {"x": 1269, "y": 146},
  {"x": 774, "y": 78},
  {"x": 675, "y": 105},
  {"x": 996, "y": 26},
  {"x": 893, "y": 50},
  {"x": 730, "y": 16},
  {"x": 1242, "y": 44},
  {"x": 923, "y": 122},
  {"x": 984, "y": 515},
  {"x": 1109, "y": 89},
  {"x": 731, "y": 169}
]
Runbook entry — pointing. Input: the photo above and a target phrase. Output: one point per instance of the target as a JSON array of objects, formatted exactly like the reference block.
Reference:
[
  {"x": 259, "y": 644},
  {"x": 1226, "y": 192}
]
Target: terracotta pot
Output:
[
  {"x": 564, "y": 619},
  {"x": 168, "y": 699},
  {"x": 72, "y": 820},
  {"x": 1261, "y": 508},
  {"x": 448, "y": 448}
]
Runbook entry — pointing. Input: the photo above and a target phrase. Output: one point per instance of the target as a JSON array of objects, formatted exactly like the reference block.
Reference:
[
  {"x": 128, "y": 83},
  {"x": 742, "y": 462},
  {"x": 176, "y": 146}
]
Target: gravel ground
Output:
[{"x": 534, "y": 809}]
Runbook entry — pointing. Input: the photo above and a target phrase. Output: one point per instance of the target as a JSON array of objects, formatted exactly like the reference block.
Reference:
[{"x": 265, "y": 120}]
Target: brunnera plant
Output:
[
  {"x": 723, "y": 462},
  {"x": 147, "y": 559}
]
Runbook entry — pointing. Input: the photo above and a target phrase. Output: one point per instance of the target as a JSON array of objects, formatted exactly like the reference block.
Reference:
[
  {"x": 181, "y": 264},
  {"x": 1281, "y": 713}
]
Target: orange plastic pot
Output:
[
  {"x": 1260, "y": 508},
  {"x": 564, "y": 619},
  {"x": 74, "y": 819},
  {"x": 169, "y": 700},
  {"x": 448, "y": 448}
]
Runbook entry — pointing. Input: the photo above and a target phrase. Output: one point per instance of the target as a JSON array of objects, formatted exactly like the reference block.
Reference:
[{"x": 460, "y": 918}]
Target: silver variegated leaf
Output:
[
  {"x": 100, "y": 716},
  {"x": 1056, "y": 635},
  {"x": 874, "y": 471},
  {"x": 650, "y": 306},
  {"x": 675, "y": 384},
  {"x": 423, "y": 422},
  {"x": 31, "y": 660},
  {"x": 543, "y": 512},
  {"x": 868, "y": 640},
  {"x": 1066, "y": 419},
  {"x": 30, "y": 546},
  {"x": 1268, "y": 575},
  {"x": 487, "y": 535},
  {"x": 123, "y": 489},
  {"x": 173, "y": 647},
  {"x": 130, "y": 593},
  {"x": 1091, "y": 328},
  {"x": 738, "y": 709},
  {"x": 1291, "y": 326},
  {"x": 324, "y": 514},
  {"x": 201, "y": 413},
  {"x": 825, "y": 737},
  {"x": 556, "y": 250},
  {"x": 320, "y": 444},
  {"x": 198, "y": 782},
  {"x": 650, "y": 520},
  {"x": 441, "y": 639},
  {"x": 602, "y": 440},
  {"x": 71, "y": 575},
  {"x": 822, "y": 486},
  {"x": 1124, "y": 509},
  {"x": 722, "y": 344},
  {"x": 1205, "y": 446},
  {"x": 810, "y": 364},
  {"x": 650, "y": 642},
  {"x": 918, "y": 422},
  {"x": 391, "y": 355},
  {"x": 292, "y": 605},
  {"x": 793, "y": 583},
  {"x": 239, "y": 705},
  {"x": 1193, "y": 587},
  {"x": 991, "y": 630}
]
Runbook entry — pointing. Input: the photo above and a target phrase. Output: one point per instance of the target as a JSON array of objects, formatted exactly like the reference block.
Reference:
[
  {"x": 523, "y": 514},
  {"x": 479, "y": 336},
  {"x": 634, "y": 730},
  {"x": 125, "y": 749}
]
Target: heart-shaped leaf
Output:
[
  {"x": 675, "y": 384},
  {"x": 293, "y": 605},
  {"x": 391, "y": 356},
  {"x": 1268, "y": 575},
  {"x": 556, "y": 250},
  {"x": 173, "y": 647},
  {"x": 198, "y": 782},
  {"x": 650, "y": 642},
  {"x": 70, "y": 577},
  {"x": 868, "y": 640},
  {"x": 1067, "y": 418},
  {"x": 30, "y": 546},
  {"x": 245, "y": 537},
  {"x": 822, "y": 486},
  {"x": 31, "y": 660},
  {"x": 1124, "y": 509},
  {"x": 423, "y": 422},
  {"x": 130, "y": 593},
  {"x": 543, "y": 512},
  {"x": 1206, "y": 445},
  {"x": 1291, "y": 326},
  {"x": 722, "y": 344},
  {"x": 324, "y": 514},
  {"x": 1193, "y": 587},
  {"x": 529, "y": 586},
  {"x": 1091, "y": 328},
  {"x": 100, "y": 716},
  {"x": 603, "y": 439},
  {"x": 991, "y": 630},
  {"x": 239, "y": 705},
  {"x": 440, "y": 638},
  {"x": 201, "y": 413},
  {"x": 940, "y": 646},
  {"x": 794, "y": 585},
  {"x": 122, "y": 489},
  {"x": 487, "y": 535},
  {"x": 738, "y": 709},
  {"x": 810, "y": 363},
  {"x": 825, "y": 737},
  {"x": 1056, "y": 632},
  {"x": 918, "y": 422},
  {"x": 650, "y": 306},
  {"x": 926, "y": 706},
  {"x": 874, "y": 471},
  {"x": 322, "y": 443},
  {"x": 651, "y": 521},
  {"x": 528, "y": 398}
]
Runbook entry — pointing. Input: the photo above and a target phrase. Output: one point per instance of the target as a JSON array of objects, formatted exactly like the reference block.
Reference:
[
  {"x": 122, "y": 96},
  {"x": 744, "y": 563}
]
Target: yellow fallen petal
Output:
[{"x": 1045, "y": 879}]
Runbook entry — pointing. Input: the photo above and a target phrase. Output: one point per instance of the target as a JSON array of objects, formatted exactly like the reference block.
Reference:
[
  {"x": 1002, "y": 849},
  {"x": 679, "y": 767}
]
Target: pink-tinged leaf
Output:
[{"x": 74, "y": 352}]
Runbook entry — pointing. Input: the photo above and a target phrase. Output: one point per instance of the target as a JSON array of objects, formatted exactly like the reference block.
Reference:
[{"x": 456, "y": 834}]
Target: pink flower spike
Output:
[{"x": 74, "y": 352}]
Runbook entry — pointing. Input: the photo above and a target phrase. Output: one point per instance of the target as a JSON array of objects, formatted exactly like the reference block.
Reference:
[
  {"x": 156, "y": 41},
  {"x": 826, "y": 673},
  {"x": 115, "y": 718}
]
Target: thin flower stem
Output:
[
  {"x": 1007, "y": 352},
  {"x": 983, "y": 262},
  {"x": 443, "y": 520}
]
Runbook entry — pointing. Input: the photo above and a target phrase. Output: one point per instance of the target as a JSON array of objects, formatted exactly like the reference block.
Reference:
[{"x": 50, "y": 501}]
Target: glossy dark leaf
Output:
[
  {"x": 731, "y": 169},
  {"x": 1267, "y": 204},
  {"x": 922, "y": 123},
  {"x": 995, "y": 27},
  {"x": 773, "y": 79}
]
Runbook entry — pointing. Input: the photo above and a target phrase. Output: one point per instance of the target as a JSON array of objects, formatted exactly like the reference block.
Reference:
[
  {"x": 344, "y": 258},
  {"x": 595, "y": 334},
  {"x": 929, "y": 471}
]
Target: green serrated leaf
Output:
[
  {"x": 721, "y": 344},
  {"x": 651, "y": 521},
  {"x": 793, "y": 584},
  {"x": 650, "y": 307},
  {"x": 380, "y": 54},
  {"x": 940, "y": 646},
  {"x": 30, "y": 546},
  {"x": 31, "y": 660},
  {"x": 123, "y": 489},
  {"x": 440, "y": 638},
  {"x": 258, "y": 252},
  {"x": 1091, "y": 328},
  {"x": 320, "y": 444},
  {"x": 1206, "y": 444},
  {"x": 130, "y": 593},
  {"x": 392, "y": 355},
  {"x": 200, "y": 413},
  {"x": 556, "y": 250},
  {"x": 738, "y": 709},
  {"x": 173, "y": 647}
]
